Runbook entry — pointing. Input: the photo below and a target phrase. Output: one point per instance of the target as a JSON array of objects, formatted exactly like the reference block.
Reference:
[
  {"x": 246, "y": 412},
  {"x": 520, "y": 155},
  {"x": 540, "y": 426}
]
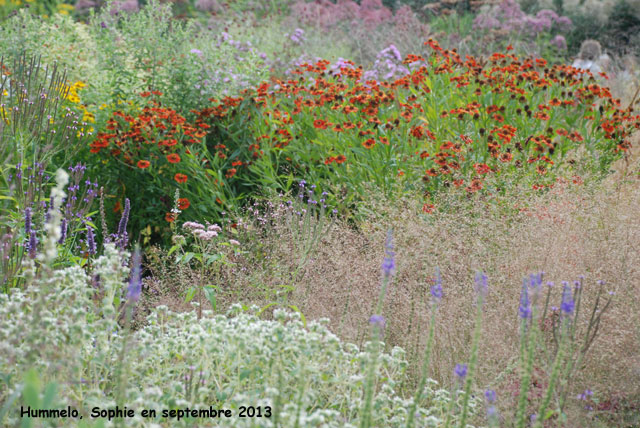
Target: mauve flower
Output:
[
  {"x": 559, "y": 41},
  {"x": 124, "y": 6},
  {"x": 196, "y": 51},
  {"x": 564, "y": 23},
  {"x": 233, "y": 242}
]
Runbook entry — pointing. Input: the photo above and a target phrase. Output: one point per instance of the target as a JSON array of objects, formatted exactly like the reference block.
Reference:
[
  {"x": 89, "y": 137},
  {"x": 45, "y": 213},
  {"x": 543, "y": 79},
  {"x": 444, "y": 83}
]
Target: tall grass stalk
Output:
[
  {"x": 425, "y": 367},
  {"x": 472, "y": 363},
  {"x": 377, "y": 321}
]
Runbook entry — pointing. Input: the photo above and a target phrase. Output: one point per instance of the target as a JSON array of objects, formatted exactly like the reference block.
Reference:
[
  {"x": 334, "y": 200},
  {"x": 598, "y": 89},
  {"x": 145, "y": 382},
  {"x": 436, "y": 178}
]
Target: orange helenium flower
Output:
[
  {"x": 173, "y": 158},
  {"x": 180, "y": 178},
  {"x": 369, "y": 143},
  {"x": 142, "y": 164},
  {"x": 183, "y": 203}
]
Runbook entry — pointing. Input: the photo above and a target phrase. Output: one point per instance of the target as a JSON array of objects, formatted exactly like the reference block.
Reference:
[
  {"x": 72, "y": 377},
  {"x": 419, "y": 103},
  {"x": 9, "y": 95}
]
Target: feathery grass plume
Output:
[
  {"x": 482, "y": 290},
  {"x": 436, "y": 294},
  {"x": 567, "y": 307},
  {"x": 528, "y": 341},
  {"x": 377, "y": 322}
]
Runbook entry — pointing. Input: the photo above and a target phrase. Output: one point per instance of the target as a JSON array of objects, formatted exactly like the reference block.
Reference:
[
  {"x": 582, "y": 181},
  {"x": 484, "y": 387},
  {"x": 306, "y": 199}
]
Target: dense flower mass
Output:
[{"x": 505, "y": 116}]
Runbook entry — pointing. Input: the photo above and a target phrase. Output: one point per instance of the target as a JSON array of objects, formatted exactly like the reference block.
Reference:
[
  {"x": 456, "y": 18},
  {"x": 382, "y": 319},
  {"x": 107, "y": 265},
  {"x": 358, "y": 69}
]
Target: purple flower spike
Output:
[
  {"x": 91, "y": 241},
  {"x": 135, "y": 283},
  {"x": 490, "y": 395},
  {"x": 567, "y": 304},
  {"x": 27, "y": 221},
  {"x": 436, "y": 290},
  {"x": 33, "y": 245},
  {"x": 525, "y": 303},
  {"x": 482, "y": 287},
  {"x": 389, "y": 264}
]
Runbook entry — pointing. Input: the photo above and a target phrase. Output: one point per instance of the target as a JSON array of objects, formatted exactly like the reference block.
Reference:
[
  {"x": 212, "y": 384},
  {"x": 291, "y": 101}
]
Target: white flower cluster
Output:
[{"x": 303, "y": 372}]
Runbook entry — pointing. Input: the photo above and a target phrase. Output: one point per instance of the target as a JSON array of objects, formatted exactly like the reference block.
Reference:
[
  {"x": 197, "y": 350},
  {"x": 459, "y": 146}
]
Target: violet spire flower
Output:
[
  {"x": 91, "y": 241},
  {"x": 525, "y": 302},
  {"x": 568, "y": 303},
  {"x": 33, "y": 244},
  {"x": 436, "y": 289},
  {"x": 63, "y": 231},
  {"x": 135, "y": 282},
  {"x": 27, "y": 221},
  {"x": 482, "y": 287},
  {"x": 389, "y": 264},
  {"x": 491, "y": 397}
]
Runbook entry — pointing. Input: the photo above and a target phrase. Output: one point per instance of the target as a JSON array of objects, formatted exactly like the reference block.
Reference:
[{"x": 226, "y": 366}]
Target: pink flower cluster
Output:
[
  {"x": 372, "y": 13},
  {"x": 199, "y": 231}
]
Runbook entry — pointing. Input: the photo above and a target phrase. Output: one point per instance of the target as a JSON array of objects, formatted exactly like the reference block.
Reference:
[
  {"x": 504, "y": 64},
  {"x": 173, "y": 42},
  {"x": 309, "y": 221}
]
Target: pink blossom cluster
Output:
[
  {"x": 372, "y": 13},
  {"x": 509, "y": 17}
]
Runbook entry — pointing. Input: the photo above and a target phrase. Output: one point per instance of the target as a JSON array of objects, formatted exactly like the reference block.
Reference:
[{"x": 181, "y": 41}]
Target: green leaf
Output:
[
  {"x": 210, "y": 294},
  {"x": 31, "y": 389},
  {"x": 190, "y": 293}
]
